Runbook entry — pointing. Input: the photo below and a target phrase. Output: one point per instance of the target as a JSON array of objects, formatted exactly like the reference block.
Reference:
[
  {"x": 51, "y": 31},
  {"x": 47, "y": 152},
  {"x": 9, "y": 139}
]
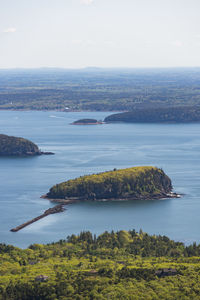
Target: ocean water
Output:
[{"x": 89, "y": 149}]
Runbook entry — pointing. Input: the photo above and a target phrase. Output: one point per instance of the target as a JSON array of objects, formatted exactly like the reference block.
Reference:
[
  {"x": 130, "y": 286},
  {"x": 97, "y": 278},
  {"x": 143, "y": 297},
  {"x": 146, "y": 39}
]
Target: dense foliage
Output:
[
  {"x": 158, "y": 115},
  {"x": 133, "y": 183},
  {"x": 98, "y": 89},
  {"x": 85, "y": 121},
  {"x": 17, "y": 146},
  {"x": 121, "y": 265}
]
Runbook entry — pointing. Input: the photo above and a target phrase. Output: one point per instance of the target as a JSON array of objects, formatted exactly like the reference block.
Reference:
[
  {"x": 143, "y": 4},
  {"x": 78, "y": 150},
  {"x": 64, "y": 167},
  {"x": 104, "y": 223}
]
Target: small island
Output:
[
  {"x": 178, "y": 114},
  {"x": 17, "y": 146},
  {"x": 87, "y": 122},
  {"x": 136, "y": 183}
]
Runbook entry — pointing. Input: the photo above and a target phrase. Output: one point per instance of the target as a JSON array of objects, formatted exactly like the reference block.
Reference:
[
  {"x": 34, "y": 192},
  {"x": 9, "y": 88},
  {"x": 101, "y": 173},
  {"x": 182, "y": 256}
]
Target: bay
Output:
[{"x": 88, "y": 149}]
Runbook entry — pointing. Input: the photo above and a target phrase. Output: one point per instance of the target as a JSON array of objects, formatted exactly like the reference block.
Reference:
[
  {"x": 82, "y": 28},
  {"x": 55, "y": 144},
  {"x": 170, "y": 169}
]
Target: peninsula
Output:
[
  {"x": 132, "y": 183},
  {"x": 17, "y": 146},
  {"x": 182, "y": 114},
  {"x": 87, "y": 122}
]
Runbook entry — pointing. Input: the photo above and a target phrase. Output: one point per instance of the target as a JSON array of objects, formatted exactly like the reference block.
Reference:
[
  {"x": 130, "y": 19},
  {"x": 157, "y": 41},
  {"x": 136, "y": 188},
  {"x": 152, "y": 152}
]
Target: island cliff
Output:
[
  {"x": 17, "y": 146},
  {"x": 132, "y": 183}
]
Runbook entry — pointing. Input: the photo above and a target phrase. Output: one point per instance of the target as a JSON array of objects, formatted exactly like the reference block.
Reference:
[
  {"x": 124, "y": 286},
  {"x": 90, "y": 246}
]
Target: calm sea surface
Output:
[{"x": 86, "y": 149}]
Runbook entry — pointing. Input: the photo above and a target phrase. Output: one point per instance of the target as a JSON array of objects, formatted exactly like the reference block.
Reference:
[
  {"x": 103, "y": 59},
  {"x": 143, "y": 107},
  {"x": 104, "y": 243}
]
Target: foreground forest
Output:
[
  {"x": 121, "y": 265},
  {"x": 98, "y": 89}
]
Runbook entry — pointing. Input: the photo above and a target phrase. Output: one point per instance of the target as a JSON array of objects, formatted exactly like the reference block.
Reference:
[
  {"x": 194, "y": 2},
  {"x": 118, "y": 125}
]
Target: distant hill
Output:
[
  {"x": 158, "y": 115},
  {"x": 132, "y": 183},
  {"x": 17, "y": 146}
]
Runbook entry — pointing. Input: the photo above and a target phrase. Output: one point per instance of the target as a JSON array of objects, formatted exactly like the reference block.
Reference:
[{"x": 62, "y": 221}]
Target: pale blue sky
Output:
[{"x": 102, "y": 33}]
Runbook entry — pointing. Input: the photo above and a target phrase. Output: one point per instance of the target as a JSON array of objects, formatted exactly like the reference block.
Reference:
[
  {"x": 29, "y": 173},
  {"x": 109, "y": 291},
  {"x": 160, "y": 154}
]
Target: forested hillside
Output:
[{"x": 121, "y": 265}]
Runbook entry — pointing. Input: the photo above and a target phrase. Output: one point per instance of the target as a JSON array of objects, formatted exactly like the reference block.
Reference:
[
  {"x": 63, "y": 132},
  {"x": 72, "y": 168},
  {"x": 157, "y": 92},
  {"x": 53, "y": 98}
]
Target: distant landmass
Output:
[
  {"x": 158, "y": 115},
  {"x": 17, "y": 146},
  {"x": 96, "y": 89},
  {"x": 87, "y": 122},
  {"x": 132, "y": 183}
]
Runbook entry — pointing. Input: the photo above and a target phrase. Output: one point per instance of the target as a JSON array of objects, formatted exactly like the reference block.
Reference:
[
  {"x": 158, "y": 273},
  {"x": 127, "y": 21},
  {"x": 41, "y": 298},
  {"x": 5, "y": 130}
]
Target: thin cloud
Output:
[
  {"x": 87, "y": 2},
  {"x": 10, "y": 30},
  {"x": 77, "y": 42},
  {"x": 109, "y": 43},
  {"x": 177, "y": 43},
  {"x": 86, "y": 43}
]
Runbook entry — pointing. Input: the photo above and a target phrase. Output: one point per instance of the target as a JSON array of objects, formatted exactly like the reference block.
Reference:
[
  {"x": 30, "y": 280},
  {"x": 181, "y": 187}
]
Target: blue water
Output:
[{"x": 88, "y": 149}]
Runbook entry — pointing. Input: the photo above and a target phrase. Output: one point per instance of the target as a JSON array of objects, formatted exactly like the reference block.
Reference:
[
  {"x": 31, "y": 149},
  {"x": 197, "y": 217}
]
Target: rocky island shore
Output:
[
  {"x": 137, "y": 183},
  {"x": 17, "y": 146}
]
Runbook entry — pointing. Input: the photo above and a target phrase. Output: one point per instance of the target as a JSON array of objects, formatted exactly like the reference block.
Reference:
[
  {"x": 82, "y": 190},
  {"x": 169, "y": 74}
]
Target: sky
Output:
[{"x": 99, "y": 33}]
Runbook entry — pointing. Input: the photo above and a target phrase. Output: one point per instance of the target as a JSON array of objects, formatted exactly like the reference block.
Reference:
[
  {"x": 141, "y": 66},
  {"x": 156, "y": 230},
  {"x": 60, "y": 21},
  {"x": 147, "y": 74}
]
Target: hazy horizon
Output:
[
  {"x": 77, "y": 34},
  {"x": 93, "y": 68}
]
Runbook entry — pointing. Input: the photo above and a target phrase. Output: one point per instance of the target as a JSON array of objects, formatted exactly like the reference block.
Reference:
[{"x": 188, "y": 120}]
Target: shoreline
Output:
[
  {"x": 28, "y": 154},
  {"x": 76, "y": 200},
  {"x": 97, "y": 123},
  {"x": 59, "y": 110},
  {"x": 62, "y": 202}
]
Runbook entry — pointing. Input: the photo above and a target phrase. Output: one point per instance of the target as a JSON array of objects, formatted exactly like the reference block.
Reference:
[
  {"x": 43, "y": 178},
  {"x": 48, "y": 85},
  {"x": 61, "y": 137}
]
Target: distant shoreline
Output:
[
  {"x": 60, "y": 110},
  {"x": 97, "y": 123}
]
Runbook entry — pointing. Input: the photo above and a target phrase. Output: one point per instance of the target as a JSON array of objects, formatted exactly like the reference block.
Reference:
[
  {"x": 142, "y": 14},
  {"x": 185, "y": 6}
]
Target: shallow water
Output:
[{"x": 88, "y": 149}]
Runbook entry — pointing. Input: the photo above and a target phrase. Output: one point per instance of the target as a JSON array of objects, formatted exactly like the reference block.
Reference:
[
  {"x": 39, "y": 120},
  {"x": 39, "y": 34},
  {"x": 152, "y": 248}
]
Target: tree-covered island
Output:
[
  {"x": 178, "y": 114},
  {"x": 17, "y": 146},
  {"x": 87, "y": 122},
  {"x": 131, "y": 183}
]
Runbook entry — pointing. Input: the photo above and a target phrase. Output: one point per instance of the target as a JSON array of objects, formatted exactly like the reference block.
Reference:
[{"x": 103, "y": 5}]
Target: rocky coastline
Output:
[{"x": 81, "y": 199}]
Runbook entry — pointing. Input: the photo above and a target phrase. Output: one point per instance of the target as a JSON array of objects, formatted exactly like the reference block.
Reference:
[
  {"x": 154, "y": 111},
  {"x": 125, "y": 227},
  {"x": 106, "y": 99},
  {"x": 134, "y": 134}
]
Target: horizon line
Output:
[{"x": 97, "y": 68}]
